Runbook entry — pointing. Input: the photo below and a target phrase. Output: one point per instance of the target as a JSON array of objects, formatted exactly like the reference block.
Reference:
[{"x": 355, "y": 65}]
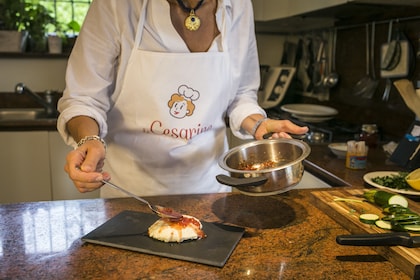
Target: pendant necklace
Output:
[{"x": 192, "y": 22}]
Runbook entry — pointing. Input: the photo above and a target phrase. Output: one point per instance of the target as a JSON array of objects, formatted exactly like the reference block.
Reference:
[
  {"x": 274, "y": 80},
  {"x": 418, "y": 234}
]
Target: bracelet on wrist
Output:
[
  {"x": 89, "y": 138},
  {"x": 257, "y": 125}
]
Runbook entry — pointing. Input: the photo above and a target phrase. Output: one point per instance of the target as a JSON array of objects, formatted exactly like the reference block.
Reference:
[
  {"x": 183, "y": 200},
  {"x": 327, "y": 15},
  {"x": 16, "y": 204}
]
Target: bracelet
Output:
[
  {"x": 92, "y": 137},
  {"x": 257, "y": 125}
]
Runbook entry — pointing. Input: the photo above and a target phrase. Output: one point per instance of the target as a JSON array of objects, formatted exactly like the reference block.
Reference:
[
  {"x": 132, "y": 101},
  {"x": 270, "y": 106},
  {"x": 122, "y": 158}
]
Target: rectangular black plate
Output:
[{"x": 128, "y": 230}]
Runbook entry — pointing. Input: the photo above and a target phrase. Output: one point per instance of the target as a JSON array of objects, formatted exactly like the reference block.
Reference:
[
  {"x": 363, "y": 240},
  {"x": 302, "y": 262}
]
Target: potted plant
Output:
[
  {"x": 29, "y": 18},
  {"x": 37, "y": 19},
  {"x": 13, "y": 36},
  {"x": 72, "y": 31}
]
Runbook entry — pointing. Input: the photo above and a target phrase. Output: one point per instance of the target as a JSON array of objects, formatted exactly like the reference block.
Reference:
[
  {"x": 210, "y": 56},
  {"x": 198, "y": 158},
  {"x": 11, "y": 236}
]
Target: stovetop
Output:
[{"x": 335, "y": 130}]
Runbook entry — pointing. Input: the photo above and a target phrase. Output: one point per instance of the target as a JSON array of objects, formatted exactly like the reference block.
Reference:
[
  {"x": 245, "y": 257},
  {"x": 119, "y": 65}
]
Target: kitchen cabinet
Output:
[
  {"x": 24, "y": 167},
  {"x": 31, "y": 168},
  {"x": 273, "y": 9},
  {"x": 290, "y": 16},
  {"x": 61, "y": 186},
  {"x": 265, "y": 10}
]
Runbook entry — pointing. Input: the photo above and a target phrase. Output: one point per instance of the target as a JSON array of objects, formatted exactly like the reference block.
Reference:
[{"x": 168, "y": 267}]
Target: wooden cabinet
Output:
[{"x": 31, "y": 168}]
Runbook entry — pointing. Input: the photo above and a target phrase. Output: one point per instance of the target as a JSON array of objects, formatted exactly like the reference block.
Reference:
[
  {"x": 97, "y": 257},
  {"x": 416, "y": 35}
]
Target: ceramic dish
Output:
[
  {"x": 368, "y": 179},
  {"x": 309, "y": 110},
  {"x": 339, "y": 149}
]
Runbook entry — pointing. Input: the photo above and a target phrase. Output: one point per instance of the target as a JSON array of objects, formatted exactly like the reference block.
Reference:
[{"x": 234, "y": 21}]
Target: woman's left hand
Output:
[{"x": 279, "y": 129}]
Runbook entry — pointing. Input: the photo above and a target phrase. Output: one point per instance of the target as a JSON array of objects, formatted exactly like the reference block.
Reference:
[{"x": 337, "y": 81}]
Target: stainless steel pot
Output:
[{"x": 264, "y": 167}]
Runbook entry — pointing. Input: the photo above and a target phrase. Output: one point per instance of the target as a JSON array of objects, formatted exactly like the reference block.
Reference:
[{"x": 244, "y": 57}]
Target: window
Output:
[{"x": 66, "y": 12}]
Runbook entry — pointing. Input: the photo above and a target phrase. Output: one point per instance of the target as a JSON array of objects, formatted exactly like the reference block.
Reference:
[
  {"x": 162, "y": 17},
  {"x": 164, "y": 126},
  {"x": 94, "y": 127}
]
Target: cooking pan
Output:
[{"x": 264, "y": 167}]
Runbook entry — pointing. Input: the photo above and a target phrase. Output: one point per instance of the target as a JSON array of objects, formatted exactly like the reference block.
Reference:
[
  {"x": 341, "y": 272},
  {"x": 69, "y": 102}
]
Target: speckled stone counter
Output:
[
  {"x": 286, "y": 238},
  {"x": 377, "y": 160}
]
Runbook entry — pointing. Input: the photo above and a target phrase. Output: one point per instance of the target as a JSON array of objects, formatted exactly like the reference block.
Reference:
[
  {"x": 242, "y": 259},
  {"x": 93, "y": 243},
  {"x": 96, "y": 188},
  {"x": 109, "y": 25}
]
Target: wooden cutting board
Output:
[{"x": 347, "y": 215}]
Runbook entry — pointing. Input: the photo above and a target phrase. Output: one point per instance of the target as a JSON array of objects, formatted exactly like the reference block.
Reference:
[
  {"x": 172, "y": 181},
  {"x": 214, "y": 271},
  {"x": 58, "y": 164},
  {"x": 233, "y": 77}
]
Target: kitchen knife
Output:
[{"x": 380, "y": 239}]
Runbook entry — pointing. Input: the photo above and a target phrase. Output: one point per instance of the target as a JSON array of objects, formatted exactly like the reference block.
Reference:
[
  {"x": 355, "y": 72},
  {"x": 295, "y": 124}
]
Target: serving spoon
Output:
[{"x": 163, "y": 212}]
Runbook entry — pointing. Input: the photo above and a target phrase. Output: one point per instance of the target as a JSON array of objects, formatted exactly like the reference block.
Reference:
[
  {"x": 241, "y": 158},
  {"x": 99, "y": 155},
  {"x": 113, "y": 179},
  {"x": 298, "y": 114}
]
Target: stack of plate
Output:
[{"x": 310, "y": 112}]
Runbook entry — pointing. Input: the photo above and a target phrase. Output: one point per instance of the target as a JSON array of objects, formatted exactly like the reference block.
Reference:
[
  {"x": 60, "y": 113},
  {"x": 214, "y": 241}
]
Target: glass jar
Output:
[{"x": 370, "y": 135}]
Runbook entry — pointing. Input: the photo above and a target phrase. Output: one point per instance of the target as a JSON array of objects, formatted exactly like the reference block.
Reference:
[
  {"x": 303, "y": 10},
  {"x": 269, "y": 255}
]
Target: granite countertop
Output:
[
  {"x": 377, "y": 160},
  {"x": 286, "y": 237}
]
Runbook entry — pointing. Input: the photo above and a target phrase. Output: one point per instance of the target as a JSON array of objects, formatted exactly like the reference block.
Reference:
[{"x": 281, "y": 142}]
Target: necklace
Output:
[{"x": 192, "y": 21}]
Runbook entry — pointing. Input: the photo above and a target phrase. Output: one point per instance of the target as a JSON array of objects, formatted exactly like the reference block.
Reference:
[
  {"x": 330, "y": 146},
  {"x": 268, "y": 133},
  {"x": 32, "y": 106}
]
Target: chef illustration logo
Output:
[{"x": 181, "y": 104}]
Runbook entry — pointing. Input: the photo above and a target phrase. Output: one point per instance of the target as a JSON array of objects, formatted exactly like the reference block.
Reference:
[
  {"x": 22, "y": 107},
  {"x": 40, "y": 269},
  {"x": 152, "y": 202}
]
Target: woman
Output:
[{"x": 156, "y": 80}]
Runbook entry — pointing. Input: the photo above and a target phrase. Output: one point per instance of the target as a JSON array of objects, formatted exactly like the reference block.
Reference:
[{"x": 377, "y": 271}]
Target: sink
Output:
[{"x": 21, "y": 114}]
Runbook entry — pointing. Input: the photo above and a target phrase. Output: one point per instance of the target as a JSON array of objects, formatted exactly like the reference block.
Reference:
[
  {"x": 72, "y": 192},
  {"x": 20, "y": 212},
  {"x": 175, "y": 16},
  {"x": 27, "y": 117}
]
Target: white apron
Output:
[{"x": 167, "y": 128}]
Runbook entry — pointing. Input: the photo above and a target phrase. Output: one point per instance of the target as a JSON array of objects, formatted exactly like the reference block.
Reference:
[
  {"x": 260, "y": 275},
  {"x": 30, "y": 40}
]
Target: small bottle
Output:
[{"x": 369, "y": 134}]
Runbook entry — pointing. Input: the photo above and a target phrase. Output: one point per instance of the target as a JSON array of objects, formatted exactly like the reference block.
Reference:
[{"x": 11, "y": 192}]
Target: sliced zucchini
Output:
[
  {"x": 383, "y": 198},
  {"x": 383, "y": 224},
  {"x": 396, "y": 209},
  {"x": 412, "y": 227},
  {"x": 368, "y": 218}
]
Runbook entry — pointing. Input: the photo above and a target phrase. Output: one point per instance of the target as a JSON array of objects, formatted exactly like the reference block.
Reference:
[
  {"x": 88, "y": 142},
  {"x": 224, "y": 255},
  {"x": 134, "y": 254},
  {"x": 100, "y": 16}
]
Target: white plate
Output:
[
  {"x": 309, "y": 110},
  {"x": 368, "y": 179},
  {"x": 312, "y": 119}
]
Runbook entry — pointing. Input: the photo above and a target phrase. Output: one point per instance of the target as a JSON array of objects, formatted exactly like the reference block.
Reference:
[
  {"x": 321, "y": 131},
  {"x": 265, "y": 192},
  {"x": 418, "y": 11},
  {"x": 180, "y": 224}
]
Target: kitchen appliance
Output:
[
  {"x": 275, "y": 81},
  {"x": 335, "y": 130},
  {"x": 128, "y": 230},
  {"x": 273, "y": 166}
]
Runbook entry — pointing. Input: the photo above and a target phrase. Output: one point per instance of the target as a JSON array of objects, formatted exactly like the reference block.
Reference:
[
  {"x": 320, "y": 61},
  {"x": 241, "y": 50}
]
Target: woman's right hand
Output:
[{"x": 84, "y": 166}]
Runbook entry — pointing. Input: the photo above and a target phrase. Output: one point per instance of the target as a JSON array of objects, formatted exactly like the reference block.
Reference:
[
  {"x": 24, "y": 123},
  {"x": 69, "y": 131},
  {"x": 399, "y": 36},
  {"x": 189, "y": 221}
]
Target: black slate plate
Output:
[{"x": 128, "y": 230}]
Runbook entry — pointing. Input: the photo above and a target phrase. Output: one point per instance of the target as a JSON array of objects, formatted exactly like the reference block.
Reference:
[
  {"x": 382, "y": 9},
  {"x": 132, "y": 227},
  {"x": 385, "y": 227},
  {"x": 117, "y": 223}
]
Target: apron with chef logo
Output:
[{"x": 167, "y": 128}]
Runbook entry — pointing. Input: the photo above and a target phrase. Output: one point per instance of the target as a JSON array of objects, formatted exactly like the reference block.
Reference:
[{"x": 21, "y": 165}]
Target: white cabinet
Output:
[
  {"x": 24, "y": 167},
  {"x": 61, "y": 186},
  {"x": 32, "y": 168}
]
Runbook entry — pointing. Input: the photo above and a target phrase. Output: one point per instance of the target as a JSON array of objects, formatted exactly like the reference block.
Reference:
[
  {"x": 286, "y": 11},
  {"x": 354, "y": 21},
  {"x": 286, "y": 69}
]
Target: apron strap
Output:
[{"x": 140, "y": 25}]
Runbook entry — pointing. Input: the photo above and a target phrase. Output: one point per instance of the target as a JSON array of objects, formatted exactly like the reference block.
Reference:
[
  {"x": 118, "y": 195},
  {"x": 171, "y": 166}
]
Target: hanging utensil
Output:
[
  {"x": 366, "y": 84},
  {"x": 318, "y": 74},
  {"x": 332, "y": 78},
  {"x": 161, "y": 211},
  {"x": 409, "y": 94},
  {"x": 374, "y": 83},
  {"x": 386, "y": 61}
]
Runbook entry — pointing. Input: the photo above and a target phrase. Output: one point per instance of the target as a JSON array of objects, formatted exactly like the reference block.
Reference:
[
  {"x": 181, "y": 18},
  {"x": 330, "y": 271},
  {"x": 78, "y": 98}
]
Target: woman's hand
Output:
[
  {"x": 279, "y": 129},
  {"x": 84, "y": 166}
]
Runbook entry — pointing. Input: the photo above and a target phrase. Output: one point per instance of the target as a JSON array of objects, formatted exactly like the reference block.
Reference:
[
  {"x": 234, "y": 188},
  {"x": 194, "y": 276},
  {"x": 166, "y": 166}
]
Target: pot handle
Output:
[{"x": 241, "y": 182}]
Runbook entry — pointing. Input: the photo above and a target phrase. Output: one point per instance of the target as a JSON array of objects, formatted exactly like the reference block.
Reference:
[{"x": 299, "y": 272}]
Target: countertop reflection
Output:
[{"x": 286, "y": 238}]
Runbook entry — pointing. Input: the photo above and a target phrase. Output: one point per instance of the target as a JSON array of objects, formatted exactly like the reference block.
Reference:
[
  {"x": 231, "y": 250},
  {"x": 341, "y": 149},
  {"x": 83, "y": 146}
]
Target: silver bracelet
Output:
[
  {"x": 257, "y": 125},
  {"x": 92, "y": 137}
]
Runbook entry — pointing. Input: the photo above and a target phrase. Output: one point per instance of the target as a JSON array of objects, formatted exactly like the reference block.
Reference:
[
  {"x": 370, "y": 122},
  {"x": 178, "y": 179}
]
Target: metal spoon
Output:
[
  {"x": 332, "y": 78},
  {"x": 161, "y": 211}
]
